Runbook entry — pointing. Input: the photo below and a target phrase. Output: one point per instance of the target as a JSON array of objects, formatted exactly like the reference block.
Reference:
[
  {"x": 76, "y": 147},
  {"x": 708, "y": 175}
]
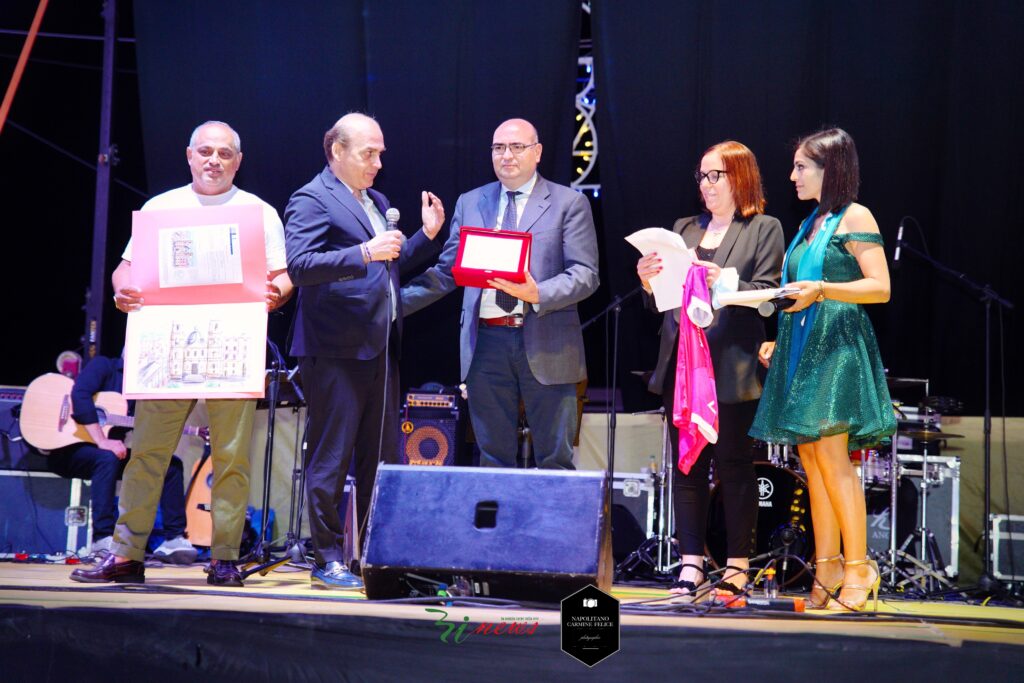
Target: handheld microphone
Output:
[
  {"x": 899, "y": 243},
  {"x": 391, "y": 216},
  {"x": 769, "y": 308}
]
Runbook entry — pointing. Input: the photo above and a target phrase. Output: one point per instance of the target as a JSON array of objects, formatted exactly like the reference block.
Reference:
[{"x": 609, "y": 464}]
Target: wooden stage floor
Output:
[{"x": 955, "y": 632}]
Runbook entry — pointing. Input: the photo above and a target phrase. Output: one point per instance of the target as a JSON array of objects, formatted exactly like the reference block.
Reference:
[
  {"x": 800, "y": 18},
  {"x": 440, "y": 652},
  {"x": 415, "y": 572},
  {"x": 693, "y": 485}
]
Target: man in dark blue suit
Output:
[{"x": 347, "y": 329}]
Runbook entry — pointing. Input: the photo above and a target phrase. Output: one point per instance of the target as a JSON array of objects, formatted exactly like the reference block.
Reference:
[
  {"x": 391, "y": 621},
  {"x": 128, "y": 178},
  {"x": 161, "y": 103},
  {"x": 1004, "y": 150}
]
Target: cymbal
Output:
[
  {"x": 927, "y": 435},
  {"x": 902, "y": 382}
]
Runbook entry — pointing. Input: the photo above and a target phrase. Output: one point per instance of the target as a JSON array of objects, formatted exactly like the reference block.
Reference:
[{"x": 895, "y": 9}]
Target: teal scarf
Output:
[{"x": 809, "y": 268}]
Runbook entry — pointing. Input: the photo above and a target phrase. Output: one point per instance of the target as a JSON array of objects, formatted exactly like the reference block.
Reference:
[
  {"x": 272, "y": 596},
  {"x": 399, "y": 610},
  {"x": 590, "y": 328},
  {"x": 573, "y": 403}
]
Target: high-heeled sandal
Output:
[
  {"x": 690, "y": 587},
  {"x": 724, "y": 586},
  {"x": 818, "y": 586},
  {"x": 872, "y": 589}
]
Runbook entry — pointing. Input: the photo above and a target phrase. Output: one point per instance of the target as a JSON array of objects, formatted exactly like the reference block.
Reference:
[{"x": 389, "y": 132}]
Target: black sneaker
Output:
[{"x": 224, "y": 573}]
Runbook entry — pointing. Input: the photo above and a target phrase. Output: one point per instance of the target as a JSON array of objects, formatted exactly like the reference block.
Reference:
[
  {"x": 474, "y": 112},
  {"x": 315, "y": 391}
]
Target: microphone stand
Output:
[
  {"x": 261, "y": 553},
  {"x": 987, "y": 583},
  {"x": 615, "y": 308}
]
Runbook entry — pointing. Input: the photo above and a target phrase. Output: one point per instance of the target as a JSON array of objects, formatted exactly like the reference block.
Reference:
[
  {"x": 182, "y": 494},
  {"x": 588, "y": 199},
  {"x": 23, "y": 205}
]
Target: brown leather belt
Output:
[{"x": 503, "y": 321}]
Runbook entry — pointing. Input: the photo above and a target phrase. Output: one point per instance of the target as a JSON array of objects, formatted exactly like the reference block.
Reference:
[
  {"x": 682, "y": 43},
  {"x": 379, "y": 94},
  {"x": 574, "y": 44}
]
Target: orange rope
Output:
[{"x": 12, "y": 87}]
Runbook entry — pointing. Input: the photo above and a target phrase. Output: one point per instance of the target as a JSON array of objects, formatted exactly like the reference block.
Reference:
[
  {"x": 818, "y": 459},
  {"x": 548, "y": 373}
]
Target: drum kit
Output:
[{"x": 784, "y": 527}]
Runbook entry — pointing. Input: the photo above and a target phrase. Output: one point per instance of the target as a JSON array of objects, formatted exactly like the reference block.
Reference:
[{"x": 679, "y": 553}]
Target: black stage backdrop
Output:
[
  {"x": 438, "y": 76},
  {"x": 923, "y": 87},
  {"x": 930, "y": 90}
]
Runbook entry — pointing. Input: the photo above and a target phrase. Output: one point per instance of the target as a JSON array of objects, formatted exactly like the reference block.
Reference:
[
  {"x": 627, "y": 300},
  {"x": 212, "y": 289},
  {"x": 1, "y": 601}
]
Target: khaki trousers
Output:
[{"x": 158, "y": 427}]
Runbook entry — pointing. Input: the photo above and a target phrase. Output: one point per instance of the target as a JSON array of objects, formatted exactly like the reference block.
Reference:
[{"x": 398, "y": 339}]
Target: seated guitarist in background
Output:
[{"x": 104, "y": 462}]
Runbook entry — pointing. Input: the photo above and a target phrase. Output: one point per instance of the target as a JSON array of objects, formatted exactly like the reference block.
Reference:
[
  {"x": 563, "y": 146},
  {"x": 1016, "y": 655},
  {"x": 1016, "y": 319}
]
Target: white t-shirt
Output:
[{"x": 186, "y": 198}]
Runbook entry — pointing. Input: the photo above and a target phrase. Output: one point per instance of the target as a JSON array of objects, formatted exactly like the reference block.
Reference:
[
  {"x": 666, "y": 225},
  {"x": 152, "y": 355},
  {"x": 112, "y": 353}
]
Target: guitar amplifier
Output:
[
  {"x": 43, "y": 514},
  {"x": 15, "y": 452},
  {"x": 432, "y": 432}
]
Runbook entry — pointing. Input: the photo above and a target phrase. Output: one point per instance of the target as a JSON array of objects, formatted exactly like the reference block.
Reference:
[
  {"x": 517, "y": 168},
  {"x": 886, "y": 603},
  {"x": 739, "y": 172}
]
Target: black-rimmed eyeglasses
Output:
[
  {"x": 712, "y": 176},
  {"x": 498, "y": 148}
]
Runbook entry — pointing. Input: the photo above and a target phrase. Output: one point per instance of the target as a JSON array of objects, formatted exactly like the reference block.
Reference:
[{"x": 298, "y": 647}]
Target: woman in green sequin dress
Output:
[{"x": 826, "y": 391}]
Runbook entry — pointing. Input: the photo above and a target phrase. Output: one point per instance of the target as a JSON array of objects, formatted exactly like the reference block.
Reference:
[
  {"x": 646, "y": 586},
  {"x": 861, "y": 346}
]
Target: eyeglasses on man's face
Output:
[
  {"x": 517, "y": 148},
  {"x": 712, "y": 176}
]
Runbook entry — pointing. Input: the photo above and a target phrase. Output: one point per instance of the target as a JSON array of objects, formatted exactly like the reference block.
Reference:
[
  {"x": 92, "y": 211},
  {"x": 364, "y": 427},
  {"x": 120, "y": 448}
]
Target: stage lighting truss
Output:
[{"x": 584, "y": 145}]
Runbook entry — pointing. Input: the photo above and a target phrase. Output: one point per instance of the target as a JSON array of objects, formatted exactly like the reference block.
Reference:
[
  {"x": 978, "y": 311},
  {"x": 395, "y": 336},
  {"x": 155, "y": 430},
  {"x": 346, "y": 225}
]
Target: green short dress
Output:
[{"x": 838, "y": 384}]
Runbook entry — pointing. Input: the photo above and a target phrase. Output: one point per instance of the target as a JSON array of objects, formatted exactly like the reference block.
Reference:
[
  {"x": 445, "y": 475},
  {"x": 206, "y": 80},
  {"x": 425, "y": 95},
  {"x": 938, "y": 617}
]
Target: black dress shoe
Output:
[
  {"x": 109, "y": 570},
  {"x": 224, "y": 573}
]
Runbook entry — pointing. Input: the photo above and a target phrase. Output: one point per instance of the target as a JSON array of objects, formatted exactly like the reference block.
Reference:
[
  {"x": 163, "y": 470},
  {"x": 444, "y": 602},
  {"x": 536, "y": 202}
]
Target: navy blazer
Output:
[{"x": 344, "y": 307}]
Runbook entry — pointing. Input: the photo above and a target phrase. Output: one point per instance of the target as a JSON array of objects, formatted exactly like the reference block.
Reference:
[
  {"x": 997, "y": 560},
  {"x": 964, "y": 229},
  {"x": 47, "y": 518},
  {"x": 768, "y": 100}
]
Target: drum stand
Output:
[
  {"x": 926, "y": 570},
  {"x": 666, "y": 510},
  {"x": 658, "y": 551}
]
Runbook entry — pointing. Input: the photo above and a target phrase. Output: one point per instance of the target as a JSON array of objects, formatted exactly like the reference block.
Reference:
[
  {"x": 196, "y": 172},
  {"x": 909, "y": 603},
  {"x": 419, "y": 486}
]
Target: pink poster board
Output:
[
  {"x": 176, "y": 259},
  {"x": 202, "y": 331}
]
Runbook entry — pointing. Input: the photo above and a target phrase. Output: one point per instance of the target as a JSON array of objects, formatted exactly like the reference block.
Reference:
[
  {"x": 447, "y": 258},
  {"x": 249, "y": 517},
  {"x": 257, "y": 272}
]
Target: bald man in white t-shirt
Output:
[{"x": 214, "y": 155}]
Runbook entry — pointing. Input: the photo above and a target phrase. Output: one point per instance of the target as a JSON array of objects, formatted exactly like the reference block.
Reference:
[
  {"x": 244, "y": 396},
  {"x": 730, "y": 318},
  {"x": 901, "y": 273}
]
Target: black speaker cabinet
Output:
[
  {"x": 41, "y": 513},
  {"x": 535, "y": 535},
  {"x": 15, "y": 452}
]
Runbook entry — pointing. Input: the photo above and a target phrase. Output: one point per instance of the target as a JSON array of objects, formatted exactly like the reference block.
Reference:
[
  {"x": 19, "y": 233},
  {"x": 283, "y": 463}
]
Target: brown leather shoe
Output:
[{"x": 111, "y": 570}]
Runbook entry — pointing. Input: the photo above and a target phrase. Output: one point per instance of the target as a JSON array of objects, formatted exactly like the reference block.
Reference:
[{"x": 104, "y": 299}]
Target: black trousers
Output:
[
  {"x": 353, "y": 413},
  {"x": 733, "y": 457}
]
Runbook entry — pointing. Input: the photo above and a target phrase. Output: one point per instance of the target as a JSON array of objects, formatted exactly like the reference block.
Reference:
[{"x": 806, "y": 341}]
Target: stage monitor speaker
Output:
[
  {"x": 535, "y": 535},
  {"x": 15, "y": 452}
]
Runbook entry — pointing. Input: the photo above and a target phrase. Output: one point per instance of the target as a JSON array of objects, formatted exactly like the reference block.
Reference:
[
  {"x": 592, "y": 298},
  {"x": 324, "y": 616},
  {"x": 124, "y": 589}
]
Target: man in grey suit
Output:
[{"x": 521, "y": 341}]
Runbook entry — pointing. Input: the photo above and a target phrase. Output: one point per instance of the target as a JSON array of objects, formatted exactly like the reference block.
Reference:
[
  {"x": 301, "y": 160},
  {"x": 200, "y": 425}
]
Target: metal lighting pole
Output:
[{"x": 95, "y": 298}]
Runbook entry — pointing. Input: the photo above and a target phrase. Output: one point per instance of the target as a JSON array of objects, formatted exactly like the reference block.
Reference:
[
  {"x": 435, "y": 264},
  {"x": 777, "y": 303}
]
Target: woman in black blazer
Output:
[{"x": 733, "y": 232}]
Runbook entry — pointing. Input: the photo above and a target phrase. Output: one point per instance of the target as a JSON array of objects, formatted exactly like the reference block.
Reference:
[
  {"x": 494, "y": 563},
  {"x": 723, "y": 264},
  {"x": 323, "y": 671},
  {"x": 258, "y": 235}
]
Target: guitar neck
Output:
[
  {"x": 118, "y": 420},
  {"x": 128, "y": 422}
]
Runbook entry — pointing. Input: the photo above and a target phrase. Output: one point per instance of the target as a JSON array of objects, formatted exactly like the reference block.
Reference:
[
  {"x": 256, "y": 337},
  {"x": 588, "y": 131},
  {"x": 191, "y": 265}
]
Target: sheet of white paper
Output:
[
  {"x": 753, "y": 297},
  {"x": 675, "y": 261},
  {"x": 492, "y": 253},
  {"x": 204, "y": 255}
]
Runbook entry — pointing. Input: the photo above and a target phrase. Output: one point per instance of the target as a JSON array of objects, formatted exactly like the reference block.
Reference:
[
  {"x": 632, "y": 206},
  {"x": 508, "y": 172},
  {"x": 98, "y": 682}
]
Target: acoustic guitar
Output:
[{"x": 46, "y": 420}]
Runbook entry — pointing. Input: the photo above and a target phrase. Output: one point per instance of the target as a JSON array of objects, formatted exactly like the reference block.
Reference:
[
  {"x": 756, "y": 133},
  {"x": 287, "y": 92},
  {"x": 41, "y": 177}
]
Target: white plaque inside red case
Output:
[{"x": 486, "y": 254}]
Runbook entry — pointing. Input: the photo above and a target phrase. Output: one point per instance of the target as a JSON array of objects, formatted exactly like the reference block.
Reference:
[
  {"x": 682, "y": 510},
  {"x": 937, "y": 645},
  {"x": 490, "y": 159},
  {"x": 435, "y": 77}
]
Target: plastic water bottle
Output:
[{"x": 771, "y": 587}]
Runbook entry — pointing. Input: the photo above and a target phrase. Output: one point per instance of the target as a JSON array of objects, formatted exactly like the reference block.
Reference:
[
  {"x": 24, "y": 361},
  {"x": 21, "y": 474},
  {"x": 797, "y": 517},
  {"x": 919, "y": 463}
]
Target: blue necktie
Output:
[{"x": 507, "y": 302}]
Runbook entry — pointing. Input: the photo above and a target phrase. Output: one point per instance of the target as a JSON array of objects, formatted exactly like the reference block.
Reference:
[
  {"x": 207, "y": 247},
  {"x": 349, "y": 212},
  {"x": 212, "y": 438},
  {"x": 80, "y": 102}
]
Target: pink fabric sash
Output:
[{"x": 695, "y": 405}]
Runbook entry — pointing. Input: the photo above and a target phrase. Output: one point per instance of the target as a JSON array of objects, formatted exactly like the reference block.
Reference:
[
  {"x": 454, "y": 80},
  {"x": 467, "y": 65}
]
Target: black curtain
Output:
[
  {"x": 438, "y": 76},
  {"x": 924, "y": 88},
  {"x": 441, "y": 76},
  {"x": 929, "y": 89}
]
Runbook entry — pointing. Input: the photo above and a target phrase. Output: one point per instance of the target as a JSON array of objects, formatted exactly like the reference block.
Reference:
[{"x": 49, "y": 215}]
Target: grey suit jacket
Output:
[
  {"x": 755, "y": 247},
  {"x": 563, "y": 261}
]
